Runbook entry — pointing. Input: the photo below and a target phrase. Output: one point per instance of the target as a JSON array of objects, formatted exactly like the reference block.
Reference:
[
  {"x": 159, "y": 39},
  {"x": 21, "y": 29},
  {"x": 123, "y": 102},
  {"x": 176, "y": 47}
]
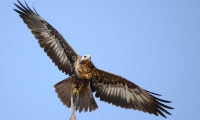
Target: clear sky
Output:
[{"x": 153, "y": 43}]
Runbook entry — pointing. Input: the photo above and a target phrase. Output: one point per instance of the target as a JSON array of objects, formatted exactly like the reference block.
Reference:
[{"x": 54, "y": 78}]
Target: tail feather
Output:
[
  {"x": 64, "y": 88},
  {"x": 83, "y": 101}
]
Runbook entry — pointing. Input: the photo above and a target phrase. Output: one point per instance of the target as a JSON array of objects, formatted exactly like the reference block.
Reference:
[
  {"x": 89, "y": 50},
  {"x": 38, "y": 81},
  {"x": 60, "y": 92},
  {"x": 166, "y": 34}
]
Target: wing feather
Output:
[
  {"x": 56, "y": 47},
  {"x": 121, "y": 92}
]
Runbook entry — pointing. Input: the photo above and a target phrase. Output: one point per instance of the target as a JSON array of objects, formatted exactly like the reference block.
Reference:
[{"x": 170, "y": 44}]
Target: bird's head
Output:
[{"x": 85, "y": 59}]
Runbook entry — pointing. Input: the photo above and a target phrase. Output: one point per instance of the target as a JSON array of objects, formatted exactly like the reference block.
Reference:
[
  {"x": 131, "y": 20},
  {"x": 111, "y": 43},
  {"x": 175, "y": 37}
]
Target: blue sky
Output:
[{"x": 155, "y": 44}]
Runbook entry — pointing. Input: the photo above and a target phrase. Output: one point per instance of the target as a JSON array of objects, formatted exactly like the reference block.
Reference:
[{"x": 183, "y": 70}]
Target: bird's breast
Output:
[{"x": 83, "y": 71}]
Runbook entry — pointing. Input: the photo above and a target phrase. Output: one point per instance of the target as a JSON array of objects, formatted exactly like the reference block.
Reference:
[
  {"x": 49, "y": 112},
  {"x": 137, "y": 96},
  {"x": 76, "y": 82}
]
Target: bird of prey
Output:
[{"x": 84, "y": 78}]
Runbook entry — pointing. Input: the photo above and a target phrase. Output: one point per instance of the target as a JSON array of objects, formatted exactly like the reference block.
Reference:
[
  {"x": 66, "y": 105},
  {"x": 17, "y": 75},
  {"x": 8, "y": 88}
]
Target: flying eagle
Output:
[{"x": 84, "y": 78}]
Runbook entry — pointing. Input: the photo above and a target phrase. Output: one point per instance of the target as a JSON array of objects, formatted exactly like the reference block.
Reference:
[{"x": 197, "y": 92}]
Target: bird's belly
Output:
[{"x": 79, "y": 86}]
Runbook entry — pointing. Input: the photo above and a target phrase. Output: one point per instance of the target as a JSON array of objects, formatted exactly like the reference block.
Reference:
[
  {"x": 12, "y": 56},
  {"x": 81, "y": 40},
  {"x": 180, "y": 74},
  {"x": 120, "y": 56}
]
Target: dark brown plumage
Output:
[{"x": 84, "y": 78}]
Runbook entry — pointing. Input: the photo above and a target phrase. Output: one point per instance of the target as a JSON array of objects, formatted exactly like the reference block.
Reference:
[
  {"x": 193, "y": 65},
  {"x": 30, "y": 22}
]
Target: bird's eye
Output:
[{"x": 84, "y": 56}]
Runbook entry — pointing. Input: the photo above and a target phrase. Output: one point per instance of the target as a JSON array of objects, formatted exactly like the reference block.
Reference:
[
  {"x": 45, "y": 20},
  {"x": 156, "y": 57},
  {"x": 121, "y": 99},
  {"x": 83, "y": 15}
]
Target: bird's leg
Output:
[{"x": 73, "y": 116}]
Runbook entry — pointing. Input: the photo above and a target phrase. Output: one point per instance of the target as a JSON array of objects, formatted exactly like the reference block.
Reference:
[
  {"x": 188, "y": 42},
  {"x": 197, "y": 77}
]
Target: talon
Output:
[{"x": 75, "y": 91}]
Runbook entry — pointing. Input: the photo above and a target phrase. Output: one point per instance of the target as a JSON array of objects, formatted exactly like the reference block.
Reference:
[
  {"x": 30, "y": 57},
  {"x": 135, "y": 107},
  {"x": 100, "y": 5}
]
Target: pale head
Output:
[{"x": 85, "y": 59}]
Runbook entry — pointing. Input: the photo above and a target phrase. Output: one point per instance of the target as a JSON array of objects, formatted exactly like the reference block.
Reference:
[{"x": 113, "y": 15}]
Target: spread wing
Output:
[
  {"x": 56, "y": 47},
  {"x": 121, "y": 92}
]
